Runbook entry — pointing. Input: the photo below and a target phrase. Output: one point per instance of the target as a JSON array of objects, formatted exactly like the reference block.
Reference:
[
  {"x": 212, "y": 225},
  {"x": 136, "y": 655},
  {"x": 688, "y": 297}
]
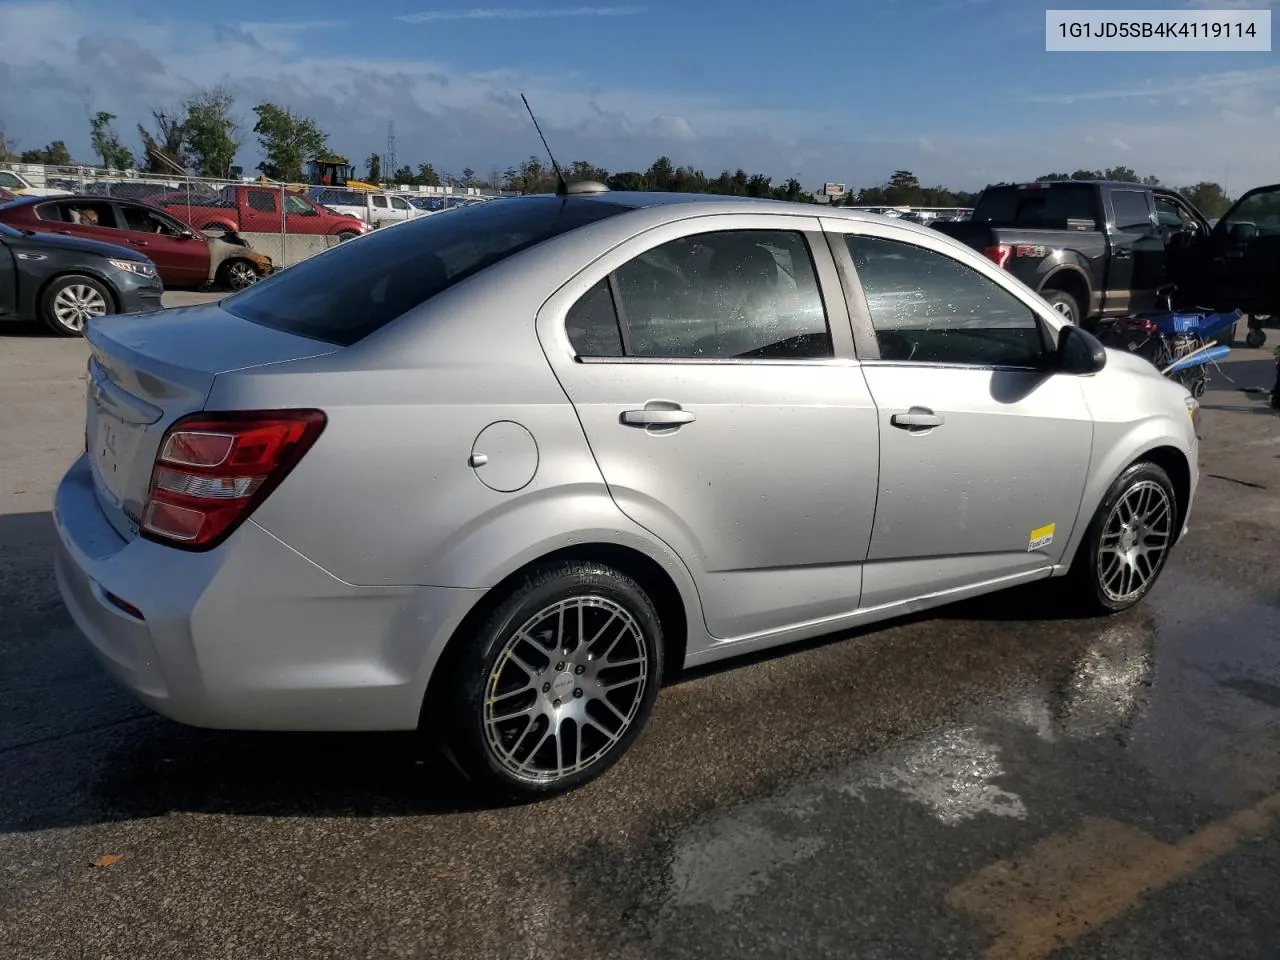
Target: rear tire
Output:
[
  {"x": 1255, "y": 338},
  {"x": 1127, "y": 543},
  {"x": 522, "y": 707},
  {"x": 1065, "y": 304},
  {"x": 71, "y": 300}
]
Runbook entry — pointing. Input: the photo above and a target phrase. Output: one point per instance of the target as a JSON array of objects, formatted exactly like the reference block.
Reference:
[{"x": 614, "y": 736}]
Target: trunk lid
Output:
[{"x": 147, "y": 371}]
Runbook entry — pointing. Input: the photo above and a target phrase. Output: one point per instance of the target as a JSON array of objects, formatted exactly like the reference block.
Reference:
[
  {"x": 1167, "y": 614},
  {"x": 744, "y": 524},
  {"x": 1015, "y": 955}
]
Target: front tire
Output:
[
  {"x": 237, "y": 274},
  {"x": 70, "y": 301},
  {"x": 556, "y": 684},
  {"x": 345, "y": 235},
  {"x": 1127, "y": 544}
]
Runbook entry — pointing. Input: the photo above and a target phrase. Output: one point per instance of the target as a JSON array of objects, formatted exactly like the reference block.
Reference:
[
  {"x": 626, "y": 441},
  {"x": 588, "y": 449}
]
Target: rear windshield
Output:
[
  {"x": 1040, "y": 206},
  {"x": 346, "y": 294}
]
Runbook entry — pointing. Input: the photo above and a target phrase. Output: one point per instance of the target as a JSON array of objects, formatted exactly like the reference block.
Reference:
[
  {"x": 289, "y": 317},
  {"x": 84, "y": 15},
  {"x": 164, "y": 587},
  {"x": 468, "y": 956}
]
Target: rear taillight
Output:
[
  {"x": 213, "y": 469},
  {"x": 998, "y": 253}
]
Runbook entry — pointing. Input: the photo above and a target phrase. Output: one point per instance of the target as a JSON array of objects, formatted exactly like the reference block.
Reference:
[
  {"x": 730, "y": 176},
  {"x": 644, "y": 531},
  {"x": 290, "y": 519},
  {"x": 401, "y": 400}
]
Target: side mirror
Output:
[{"x": 1079, "y": 352}]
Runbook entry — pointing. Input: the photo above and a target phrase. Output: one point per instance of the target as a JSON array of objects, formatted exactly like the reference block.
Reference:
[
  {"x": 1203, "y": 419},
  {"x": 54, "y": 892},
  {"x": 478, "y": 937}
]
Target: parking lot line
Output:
[{"x": 1067, "y": 885}]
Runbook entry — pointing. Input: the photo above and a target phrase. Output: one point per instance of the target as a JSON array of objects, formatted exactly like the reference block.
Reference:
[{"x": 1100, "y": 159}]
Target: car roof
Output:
[{"x": 692, "y": 204}]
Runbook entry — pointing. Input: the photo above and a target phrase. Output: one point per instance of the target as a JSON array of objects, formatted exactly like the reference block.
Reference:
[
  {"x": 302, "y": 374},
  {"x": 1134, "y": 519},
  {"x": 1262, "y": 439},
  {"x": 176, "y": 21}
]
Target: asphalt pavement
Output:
[{"x": 982, "y": 782}]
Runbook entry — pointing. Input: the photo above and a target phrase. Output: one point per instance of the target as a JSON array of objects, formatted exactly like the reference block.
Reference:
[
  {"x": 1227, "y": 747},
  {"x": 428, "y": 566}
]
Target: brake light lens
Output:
[
  {"x": 214, "y": 469},
  {"x": 998, "y": 253}
]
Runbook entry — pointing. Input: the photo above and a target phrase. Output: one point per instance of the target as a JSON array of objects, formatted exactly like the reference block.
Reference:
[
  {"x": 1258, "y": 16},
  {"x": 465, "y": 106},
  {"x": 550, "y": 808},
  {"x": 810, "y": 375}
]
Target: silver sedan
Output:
[{"x": 500, "y": 474}]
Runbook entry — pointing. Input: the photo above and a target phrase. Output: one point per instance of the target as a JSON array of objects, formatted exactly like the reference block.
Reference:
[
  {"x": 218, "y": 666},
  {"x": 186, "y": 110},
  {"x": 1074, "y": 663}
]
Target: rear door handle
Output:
[
  {"x": 658, "y": 416},
  {"x": 139, "y": 243},
  {"x": 1123, "y": 253},
  {"x": 917, "y": 419}
]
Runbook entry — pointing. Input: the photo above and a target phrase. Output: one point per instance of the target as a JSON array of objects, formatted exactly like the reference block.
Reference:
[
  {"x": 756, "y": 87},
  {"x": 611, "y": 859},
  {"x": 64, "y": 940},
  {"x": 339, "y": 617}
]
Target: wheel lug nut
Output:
[
  {"x": 560, "y": 665},
  {"x": 546, "y": 687},
  {"x": 579, "y": 669},
  {"x": 556, "y": 704},
  {"x": 577, "y": 693}
]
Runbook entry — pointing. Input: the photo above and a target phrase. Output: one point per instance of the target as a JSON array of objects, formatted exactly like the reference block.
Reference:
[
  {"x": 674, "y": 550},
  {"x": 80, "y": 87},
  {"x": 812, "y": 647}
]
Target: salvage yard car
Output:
[
  {"x": 503, "y": 472},
  {"x": 1099, "y": 249},
  {"x": 250, "y": 209},
  {"x": 65, "y": 281},
  {"x": 184, "y": 257}
]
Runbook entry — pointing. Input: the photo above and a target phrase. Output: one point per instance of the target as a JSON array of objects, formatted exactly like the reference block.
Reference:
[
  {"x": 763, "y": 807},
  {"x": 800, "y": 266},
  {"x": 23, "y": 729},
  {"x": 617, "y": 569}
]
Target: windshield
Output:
[{"x": 360, "y": 286}]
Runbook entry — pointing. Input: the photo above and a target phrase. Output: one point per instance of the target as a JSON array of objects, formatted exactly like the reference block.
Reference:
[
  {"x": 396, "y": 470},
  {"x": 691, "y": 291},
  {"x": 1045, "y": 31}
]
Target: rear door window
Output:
[{"x": 358, "y": 287}]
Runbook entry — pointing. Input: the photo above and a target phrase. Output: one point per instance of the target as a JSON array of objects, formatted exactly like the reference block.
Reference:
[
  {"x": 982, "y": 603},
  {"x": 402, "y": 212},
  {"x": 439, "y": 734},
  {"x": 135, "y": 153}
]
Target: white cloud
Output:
[{"x": 520, "y": 13}]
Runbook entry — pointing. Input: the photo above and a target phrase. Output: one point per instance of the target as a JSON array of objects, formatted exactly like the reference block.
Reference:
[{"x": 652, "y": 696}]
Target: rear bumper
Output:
[{"x": 249, "y": 636}]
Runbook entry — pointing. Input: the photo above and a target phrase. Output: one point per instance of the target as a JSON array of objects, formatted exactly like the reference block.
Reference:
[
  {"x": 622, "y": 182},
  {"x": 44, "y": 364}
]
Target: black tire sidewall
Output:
[
  {"x": 47, "y": 316},
  {"x": 1086, "y": 561},
  {"x": 458, "y": 716}
]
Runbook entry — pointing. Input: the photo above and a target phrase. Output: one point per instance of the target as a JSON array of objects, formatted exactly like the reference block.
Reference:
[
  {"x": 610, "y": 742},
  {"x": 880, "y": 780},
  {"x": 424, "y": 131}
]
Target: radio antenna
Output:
[{"x": 562, "y": 187}]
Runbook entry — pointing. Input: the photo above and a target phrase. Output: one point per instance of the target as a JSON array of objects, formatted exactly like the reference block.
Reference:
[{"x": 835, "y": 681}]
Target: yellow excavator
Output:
[{"x": 329, "y": 170}]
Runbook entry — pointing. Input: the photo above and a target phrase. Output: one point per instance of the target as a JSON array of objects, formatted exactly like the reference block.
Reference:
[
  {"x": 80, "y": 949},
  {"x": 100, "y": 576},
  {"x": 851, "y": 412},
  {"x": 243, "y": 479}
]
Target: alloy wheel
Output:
[
  {"x": 241, "y": 275},
  {"x": 76, "y": 303},
  {"x": 565, "y": 688},
  {"x": 1135, "y": 539}
]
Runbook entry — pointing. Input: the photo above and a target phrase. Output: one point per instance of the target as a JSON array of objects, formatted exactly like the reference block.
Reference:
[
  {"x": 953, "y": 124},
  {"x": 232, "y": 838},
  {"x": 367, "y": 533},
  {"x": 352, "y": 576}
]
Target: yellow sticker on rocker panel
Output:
[{"x": 1041, "y": 537}]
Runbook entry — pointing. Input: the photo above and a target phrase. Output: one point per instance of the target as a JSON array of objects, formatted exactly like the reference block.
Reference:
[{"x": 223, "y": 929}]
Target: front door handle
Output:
[
  {"x": 653, "y": 415},
  {"x": 1122, "y": 253},
  {"x": 917, "y": 418},
  {"x": 139, "y": 243}
]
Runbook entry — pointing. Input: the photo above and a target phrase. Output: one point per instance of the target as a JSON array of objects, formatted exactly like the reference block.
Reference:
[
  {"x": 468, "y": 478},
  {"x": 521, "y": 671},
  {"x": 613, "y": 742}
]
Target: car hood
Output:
[
  {"x": 56, "y": 241},
  {"x": 1118, "y": 359}
]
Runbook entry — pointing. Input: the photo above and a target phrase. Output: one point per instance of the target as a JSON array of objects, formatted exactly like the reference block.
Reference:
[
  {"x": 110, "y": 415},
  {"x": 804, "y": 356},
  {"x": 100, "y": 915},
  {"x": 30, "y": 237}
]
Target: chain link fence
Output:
[{"x": 286, "y": 222}]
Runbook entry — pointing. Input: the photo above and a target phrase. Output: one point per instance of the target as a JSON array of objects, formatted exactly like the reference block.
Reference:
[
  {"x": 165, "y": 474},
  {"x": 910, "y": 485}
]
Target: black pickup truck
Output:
[{"x": 1102, "y": 249}]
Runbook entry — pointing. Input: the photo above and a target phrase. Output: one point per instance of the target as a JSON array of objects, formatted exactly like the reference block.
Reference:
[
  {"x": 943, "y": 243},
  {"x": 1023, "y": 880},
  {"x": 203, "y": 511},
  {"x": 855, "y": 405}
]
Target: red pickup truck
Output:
[{"x": 253, "y": 209}]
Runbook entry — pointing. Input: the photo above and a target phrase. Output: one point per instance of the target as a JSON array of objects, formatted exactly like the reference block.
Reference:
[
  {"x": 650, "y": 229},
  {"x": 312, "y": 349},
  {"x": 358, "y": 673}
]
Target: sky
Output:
[{"x": 961, "y": 92}]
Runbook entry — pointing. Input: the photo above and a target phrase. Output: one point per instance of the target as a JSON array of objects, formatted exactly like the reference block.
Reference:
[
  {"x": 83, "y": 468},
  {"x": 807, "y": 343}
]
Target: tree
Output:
[
  {"x": 581, "y": 170},
  {"x": 427, "y": 175},
  {"x": 468, "y": 176},
  {"x": 55, "y": 154},
  {"x": 661, "y": 175},
  {"x": 212, "y": 132},
  {"x": 904, "y": 190},
  {"x": 374, "y": 163},
  {"x": 8, "y": 147},
  {"x": 1208, "y": 197},
  {"x": 404, "y": 175},
  {"x": 758, "y": 185},
  {"x": 630, "y": 180},
  {"x": 288, "y": 140},
  {"x": 106, "y": 143},
  {"x": 163, "y": 151}
]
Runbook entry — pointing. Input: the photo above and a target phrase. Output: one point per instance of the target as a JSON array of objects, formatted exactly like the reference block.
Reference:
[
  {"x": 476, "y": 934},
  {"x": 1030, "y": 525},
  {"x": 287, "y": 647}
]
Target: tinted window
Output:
[
  {"x": 262, "y": 200},
  {"x": 357, "y": 287},
  {"x": 1131, "y": 210},
  {"x": 748, "y": 294},
  {"x": 1037, "y": 205},
  {"x": 296, "y": 204},
  {"x": 1261, "y": 209},
  {"x": 927, "y": 307},
  {"x": 8, "y": 179},
  {"x": 142, "y": 220},
  {"x": 380, "y": 202},
  {"x": 399, "y": 203},
  {"x": 86, "y": 213},
  {"x": 592, "y": 324}
]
